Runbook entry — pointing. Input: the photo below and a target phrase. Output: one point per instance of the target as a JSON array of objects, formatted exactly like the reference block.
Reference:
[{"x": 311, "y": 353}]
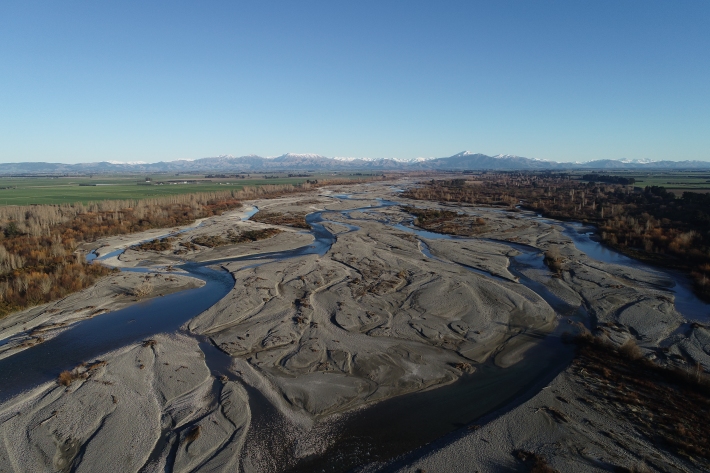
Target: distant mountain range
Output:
[{"x": 464, "y": 161}]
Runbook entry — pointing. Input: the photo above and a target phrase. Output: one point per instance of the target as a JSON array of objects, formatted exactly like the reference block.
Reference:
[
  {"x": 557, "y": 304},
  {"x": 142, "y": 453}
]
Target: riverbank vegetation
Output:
[
  {"x": 38, "y": 262},
  {"x": 38, "y": 243},
  {"x": 159, "y": 244},
  {"x": 650, "y": 224}
]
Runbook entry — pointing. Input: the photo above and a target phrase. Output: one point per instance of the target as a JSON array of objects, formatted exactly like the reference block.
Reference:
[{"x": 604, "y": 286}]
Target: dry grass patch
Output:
[
  {"x": 83, "y": 371},
  {"x": 67, "y": 377}
]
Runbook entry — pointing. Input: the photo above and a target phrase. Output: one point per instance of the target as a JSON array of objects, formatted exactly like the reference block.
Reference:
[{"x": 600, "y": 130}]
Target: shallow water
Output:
[{"x": 250, "y": 213}]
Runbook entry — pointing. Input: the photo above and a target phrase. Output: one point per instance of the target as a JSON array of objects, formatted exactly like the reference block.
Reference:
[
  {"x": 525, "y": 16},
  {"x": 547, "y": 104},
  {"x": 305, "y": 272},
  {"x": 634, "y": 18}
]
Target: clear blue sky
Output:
[{"x": 150, "y": 81}]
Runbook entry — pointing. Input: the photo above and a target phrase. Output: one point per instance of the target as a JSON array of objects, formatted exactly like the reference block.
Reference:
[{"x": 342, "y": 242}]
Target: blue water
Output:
[{"x": 250, "y": 213}]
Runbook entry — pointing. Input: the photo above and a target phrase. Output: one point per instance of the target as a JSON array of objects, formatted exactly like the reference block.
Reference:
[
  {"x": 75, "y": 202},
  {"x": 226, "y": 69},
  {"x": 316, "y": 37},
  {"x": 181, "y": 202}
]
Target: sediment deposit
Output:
[{"x": 384, "y": 312}]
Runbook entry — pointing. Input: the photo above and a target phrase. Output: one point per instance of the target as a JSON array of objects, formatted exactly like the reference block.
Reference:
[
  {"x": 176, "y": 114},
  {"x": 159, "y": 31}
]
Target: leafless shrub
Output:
[
  {"x": 553, "y": 259},
  {"x": 464, "y": 367},
  {"x": 67, "y": 377},
  {"x": 193, "y": 435},
  {"x": 143, "y": 289},
  {"x": 630, "y": 350}
]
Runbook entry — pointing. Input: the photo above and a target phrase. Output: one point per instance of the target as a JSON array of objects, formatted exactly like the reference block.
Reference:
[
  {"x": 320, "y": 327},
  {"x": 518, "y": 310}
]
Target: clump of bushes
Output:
[
  {"x": 67, "y": 377},
  {"x": 161, "y": 244},
  {"x": 212, "y": 241},
  {"x": 296, "y": 220},
  {"x": 446, "y": 221},
  {"x": 83, "y": 371},
  {"x": 553, "y": 259},
  {"x": 464, "y": 367},
  {"x": 143, "y": 289}
]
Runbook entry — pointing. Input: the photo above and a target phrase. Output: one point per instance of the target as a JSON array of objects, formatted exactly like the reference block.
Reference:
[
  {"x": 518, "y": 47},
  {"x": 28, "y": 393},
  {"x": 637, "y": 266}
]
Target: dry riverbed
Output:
[{"x": 318, "y": 336}]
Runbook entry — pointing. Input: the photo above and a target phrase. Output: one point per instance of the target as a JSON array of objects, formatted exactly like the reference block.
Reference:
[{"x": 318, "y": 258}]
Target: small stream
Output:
[{"x": 377, "y": 433}]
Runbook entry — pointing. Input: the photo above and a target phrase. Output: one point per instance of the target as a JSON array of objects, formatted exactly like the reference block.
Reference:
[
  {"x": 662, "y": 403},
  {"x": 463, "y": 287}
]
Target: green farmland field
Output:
[
  {"x": 51, "y": 190},
  {"x": 674, "y": 181}
]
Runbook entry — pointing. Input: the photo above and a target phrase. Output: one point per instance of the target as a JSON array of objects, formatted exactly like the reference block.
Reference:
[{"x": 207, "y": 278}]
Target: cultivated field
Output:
[
  {"x": 674, "y": 181},
  {"x": 59, "y": 190}
]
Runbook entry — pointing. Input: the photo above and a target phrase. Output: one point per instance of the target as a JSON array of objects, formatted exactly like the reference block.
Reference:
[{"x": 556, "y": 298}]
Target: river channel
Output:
[{"x": 376, "y": 433}]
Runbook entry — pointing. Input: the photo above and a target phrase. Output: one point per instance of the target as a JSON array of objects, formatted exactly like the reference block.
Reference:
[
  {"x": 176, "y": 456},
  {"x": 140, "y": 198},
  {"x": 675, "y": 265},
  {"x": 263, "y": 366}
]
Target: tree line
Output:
[{"x": 596, "y": 177}]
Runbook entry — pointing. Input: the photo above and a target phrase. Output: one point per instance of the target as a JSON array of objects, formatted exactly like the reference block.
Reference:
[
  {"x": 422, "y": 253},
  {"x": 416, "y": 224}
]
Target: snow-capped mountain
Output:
[
  {"x": 415, "y": 160},
  {"x": 288, "y": 156},
  {"x": 637, "y": 161},
  {"x": 505, "y": 156},
  {"x": 465, "y": 160},
  {"x": 127, "y": 162}
]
